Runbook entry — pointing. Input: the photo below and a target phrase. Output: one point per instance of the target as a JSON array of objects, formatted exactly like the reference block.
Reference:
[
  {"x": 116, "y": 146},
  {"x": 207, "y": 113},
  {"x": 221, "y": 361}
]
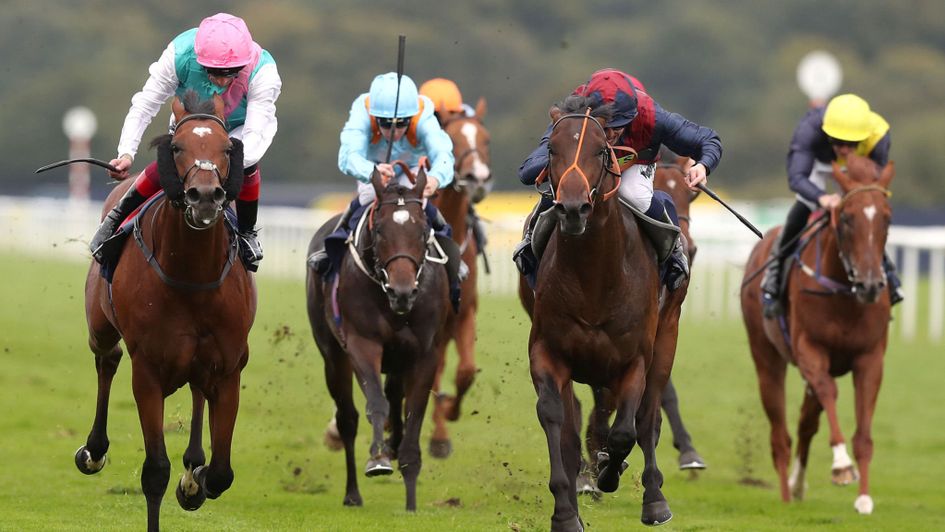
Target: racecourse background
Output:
[{"x": 56, "y": 228}]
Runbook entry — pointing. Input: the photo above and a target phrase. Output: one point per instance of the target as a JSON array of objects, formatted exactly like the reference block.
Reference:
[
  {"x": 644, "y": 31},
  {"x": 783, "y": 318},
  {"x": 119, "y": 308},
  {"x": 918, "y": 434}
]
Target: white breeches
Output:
[
  {"x": 636, "y": 185},
  {"x": 819, "y": 175}
]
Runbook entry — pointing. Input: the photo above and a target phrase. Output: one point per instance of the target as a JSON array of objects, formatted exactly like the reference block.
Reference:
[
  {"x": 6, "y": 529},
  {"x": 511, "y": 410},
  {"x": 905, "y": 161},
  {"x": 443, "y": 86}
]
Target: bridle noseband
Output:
[
  {"x": 835, "y": 215},
  {"x": 197, "y": 166}
]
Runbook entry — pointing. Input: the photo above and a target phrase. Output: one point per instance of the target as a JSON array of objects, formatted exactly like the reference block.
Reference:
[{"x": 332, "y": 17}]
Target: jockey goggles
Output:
[
  {"x": 223, "y": 72},
  {"x": 399, "y": 123},
  {"x": 842, "y": 143}
]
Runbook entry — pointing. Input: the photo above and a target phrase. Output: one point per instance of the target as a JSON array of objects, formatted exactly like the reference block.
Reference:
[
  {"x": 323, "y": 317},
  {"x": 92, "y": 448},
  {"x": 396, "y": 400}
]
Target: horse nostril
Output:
[
  {"x": 219, "y": 195},
  {"x": 560, "y": 208},
  {"x": 192, "y": 196},
  {"x": 586, "y": 209}
]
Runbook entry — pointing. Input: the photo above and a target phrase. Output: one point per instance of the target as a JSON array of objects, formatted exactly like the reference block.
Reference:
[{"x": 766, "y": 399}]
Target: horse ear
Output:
[
  {"x": 554, "y": 113},
  {"x": 481, "y": 108},
  {"x": 177, "y": 107},
  {"x": 167, "y": 168},
  {"x": 889, "y": 171},
  {"x": 842, "y": 178},
  {"x": 378, "y": 184},
  {"x": 421, "y": 182},
  {"x": 218, "y": 106},
  {"x": 235, "y": 177}
]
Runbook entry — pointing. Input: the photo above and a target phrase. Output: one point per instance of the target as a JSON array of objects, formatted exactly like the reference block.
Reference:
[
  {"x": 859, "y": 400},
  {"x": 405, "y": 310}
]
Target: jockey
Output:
[
  {"x": 640, "y": 123},
  {"x": 415, "y": 133},
  {"x": 218, "y": 57},
  {"x": 447, "y": 100},
  {"x": 824, "y": 135}
]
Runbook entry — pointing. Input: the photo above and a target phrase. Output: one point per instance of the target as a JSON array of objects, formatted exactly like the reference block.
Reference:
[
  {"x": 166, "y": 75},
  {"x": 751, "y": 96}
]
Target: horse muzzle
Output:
[
  {"x": 572, "y": 216},
  {"x": 203, "y": 206},
  {"x": 868, "y": 291}
]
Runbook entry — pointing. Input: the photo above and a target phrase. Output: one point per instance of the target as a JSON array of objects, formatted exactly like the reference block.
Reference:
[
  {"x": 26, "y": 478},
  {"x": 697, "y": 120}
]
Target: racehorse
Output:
[
  {"x": 593, "y": 321},
  {"x": 382, "y": 312},
  {"x": 472, "y": 180},
  {"x": 836, "y": 321},
  {"x": 184, "y": 306}
]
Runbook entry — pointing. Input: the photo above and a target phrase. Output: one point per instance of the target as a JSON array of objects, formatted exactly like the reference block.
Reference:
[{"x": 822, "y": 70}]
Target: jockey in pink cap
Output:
[{"x": 217, "y": 58}]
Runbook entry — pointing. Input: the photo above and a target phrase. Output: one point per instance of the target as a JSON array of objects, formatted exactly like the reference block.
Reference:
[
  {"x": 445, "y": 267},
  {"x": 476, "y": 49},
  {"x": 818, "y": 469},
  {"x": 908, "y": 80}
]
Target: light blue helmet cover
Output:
[{"x": 383, "y": 96}]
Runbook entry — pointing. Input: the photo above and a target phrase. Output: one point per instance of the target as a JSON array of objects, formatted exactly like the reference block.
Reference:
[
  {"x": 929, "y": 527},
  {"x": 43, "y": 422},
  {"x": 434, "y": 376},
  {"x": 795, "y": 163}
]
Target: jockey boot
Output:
[
  {"x": 319, "y": 260},
  {"x": 663, "y": 209},
  {"x": 125, "y": 206},
  {"x": 892, "y": 277},
  {"x": 250, "y": 249},
  {"x": 771, "y": 283},
  {"x": 523, "y": 255}
]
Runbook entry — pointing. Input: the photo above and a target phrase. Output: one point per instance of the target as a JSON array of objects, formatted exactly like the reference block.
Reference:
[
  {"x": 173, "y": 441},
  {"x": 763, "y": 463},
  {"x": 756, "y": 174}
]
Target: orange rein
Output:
[{"x": 615, "y": 167}]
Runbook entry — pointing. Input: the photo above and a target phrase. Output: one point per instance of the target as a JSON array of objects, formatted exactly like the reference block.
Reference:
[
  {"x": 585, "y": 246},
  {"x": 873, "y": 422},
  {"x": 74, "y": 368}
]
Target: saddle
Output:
[{"x": 662, "y": 233}]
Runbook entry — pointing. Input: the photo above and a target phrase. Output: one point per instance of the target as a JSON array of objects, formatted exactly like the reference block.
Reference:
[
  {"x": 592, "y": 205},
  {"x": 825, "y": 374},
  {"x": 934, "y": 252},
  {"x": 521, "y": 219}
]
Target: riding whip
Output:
[
  {"x": 96, "y": 162},
  {"x": 401, "y": 44},
  {"x": 741, "y": 218}
]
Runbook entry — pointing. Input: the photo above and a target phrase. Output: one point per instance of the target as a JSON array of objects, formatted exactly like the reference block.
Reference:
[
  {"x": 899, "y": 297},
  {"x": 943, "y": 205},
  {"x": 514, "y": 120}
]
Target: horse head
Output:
[
  {"x": 399, "y": 233},
  {"x": 861, "y": 224},
  {"x": 579, "y": 160},
  {"x": 473, "y": 175},
  {"x": 200, "y": 166}
]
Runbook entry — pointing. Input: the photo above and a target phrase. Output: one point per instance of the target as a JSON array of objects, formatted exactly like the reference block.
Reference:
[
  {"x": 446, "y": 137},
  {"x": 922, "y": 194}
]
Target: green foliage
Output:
[
  {"x": 285, "y": 479},
  {"x": 728, "y": 65}
]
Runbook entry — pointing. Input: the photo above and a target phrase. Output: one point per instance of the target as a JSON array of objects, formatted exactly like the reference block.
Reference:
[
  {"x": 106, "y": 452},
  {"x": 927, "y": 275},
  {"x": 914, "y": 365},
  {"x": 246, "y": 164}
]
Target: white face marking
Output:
[
  {"x": 202, "y": 131},
  {"x": 577, "y": 136},
  {"x": 401, "y": 216},
  {"x": 671, "y": 184},
  {"x": 480, "y": 170},
  {"x": 870, "y": 212}
]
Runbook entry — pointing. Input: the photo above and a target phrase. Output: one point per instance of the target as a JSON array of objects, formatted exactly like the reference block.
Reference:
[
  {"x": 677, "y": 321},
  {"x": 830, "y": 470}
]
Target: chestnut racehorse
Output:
[
  {"x": 472, "y": 180},
  {"x": 382, "y": 313},
  {"x": 836, "y": 321},
  {"x": 595, "y": 316},
  {"x": 184, "y": 306}
]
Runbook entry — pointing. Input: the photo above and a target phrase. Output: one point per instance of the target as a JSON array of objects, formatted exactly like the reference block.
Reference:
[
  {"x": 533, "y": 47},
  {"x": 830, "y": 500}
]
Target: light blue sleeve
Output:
[
  {"x": 355, "y": 137},
  {"x": 438, "y": 146}
]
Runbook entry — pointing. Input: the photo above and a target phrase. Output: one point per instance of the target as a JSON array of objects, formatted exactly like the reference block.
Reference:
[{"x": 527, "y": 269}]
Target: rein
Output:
[{"x": 613, "y": 168}]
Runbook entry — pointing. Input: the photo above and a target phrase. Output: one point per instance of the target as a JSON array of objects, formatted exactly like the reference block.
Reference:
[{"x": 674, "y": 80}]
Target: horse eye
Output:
[{"x": 175, "y": 148}]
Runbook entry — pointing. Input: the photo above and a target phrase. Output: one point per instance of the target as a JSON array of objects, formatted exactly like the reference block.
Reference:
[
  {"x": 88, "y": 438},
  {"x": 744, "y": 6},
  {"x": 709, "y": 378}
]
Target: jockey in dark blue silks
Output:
[
  {"x": 824, "y": 135},
  {"x": 415, "y": 134},
  {"x": 639, "y": 123}
]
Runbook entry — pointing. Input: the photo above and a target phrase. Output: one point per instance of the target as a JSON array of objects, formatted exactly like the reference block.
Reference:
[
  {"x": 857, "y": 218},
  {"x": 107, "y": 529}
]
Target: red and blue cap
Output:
[{"x": 611, "y": 86}]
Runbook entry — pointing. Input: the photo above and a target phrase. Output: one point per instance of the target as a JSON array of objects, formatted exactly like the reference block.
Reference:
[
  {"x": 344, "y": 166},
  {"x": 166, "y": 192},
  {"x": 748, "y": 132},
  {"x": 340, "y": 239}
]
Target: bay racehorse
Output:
[
  {"x": 184, "y": 306},
  {"x": 836, "y": 322},
  {"x": 595, "y": 317},
  {"x": 471, "y": 182},
  {"x": 381, "y": 313}
]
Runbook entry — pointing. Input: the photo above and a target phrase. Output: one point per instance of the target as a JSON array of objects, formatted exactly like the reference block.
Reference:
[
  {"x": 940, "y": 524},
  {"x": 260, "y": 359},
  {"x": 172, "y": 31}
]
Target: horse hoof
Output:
[
  {"x": 844, "y": 476},
  {"x": 441, "y": 448},
  {"x": 569, "y": 525},
  {"x": 863, "y": 504},
  {"x": 585, "y": 485},
  {"x": 691, "y": 460},
  {"x": 379, "y": 465},
  {"x": 192, "y": 501},
  {"x": 353, "y": 500},
  {"x": 656, "y": 513},
  {"x": 83, "y": 461}
]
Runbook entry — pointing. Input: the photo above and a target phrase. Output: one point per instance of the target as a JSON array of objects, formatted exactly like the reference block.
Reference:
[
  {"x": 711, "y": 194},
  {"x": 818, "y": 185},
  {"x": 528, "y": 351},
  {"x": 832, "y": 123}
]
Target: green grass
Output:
[{"x": 287, "y": 480}]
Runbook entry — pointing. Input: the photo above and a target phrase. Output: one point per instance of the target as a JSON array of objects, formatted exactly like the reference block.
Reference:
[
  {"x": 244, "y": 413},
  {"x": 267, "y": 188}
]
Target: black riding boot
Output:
[
  {"x": 319, "y": 260},
  {"x": 523, "y": 255},
  {"x": 663, "y": 209},
  {"x": 250, "y": 249},
  {"x": 771, "y": 282},
  {"x": 125, "y": 206},
  {"x": 892, "y": 277}
]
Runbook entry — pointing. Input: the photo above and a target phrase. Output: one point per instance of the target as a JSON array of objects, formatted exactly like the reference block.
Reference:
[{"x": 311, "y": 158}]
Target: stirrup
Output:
[
  {"x": 319, "y": 262},
  {"x": 678, "y": 268},
  {"x": 250, "y": 249},
  {"x": 524, "y": 257}
]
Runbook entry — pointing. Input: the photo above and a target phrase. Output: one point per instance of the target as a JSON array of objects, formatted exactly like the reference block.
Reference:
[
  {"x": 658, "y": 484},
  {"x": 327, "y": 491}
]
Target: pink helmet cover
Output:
[{"x": 223, "y": 41}]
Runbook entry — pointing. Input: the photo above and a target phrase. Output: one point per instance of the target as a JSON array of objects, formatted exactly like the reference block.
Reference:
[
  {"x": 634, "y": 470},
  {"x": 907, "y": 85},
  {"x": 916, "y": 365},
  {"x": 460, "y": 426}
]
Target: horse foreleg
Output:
[
  {"x": 338, "y": 378},
  {"x": 806, "y": 428},
  {"x": 440, "y": 445},
  {"x": 549, "y": 380},
  {"x": 394, "y": 392},
  {"x": 466, "y": 370},
  {"x": 571, "y": 439},
  {"x": 90, "y": 458},
  {"x": 156, "y": 471},
  {"x": 867, "y": 377},
  {"x": 623, "y": 434},
  {"x": 772, "y": 371},
  {"x": 189, "y": 494},
  {"x": 217, "y": 477},
  {"x": 418, "y": 382},
  {"x": 365, "y": 358}
]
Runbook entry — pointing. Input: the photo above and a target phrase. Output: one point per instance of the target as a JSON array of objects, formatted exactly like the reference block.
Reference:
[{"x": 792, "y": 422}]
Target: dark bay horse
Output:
[
  {"x": 382, "y": 313},
  {"x": 472, "y": 179},
  {"x": 595, "y": 317},
  {"x": 836, "y": 322},
  {"x": 182, "y": 304}
]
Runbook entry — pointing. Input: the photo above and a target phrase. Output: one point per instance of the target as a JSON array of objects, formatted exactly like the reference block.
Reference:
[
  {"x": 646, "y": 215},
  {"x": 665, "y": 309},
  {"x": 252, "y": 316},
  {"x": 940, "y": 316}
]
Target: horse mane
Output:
[
  {"x": 860, "y": 168},
  {"x": 579, "y": 104},
  {"x": 194, "y": 105}
]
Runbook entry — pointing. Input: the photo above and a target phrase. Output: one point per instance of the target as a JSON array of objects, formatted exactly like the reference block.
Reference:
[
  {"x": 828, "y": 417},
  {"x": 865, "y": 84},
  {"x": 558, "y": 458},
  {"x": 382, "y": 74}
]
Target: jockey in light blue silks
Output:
[
  {"x": 415, "y": 133},
  {"x": 218, "y": 57}
]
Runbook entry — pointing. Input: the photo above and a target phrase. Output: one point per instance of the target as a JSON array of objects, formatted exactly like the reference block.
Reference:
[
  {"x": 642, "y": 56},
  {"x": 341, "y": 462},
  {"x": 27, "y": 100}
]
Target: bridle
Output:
[
  {"x": 606, "y": 155},
  {"x": 458, "y": 163},
  {"x": 835, "y": 216},
  {"x": 197, "y": 166}
]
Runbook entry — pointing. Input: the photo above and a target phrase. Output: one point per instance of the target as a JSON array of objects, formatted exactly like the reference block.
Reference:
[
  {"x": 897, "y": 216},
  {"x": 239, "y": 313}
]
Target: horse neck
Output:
[
  {"x": 454, "y": 205},
  {"x": 603, "y": 243},
  {"x": 831, "y": 265},
  {"x": 184, "y": 253}
]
